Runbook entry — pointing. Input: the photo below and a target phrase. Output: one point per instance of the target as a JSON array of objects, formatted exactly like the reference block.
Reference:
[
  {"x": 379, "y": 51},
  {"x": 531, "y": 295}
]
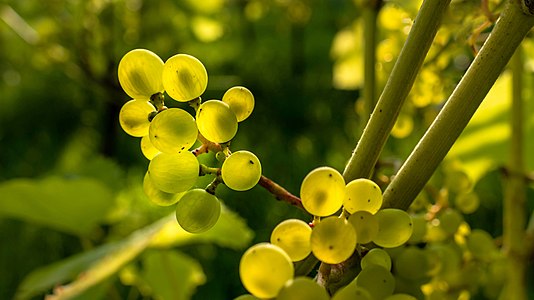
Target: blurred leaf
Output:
[{"x": 69, "y": 205}]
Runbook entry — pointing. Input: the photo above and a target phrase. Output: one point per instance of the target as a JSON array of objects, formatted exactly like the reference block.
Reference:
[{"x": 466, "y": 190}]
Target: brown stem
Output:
[{"x": 280, "y": 193}]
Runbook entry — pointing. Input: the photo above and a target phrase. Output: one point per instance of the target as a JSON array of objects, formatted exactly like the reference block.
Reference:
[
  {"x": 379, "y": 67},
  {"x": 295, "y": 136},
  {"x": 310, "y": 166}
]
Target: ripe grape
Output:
[
  {"x": 264, "y": 269},
  {"x": 302, "y": 288},
  {"x": 147, "y": 148},
  {"x": 140, "y": 73},
  {"x": 333, "y": 240},
  {"x": 173, "y": 130},
  {"x": 363, "y": 194},
  {"x": 378, "y": 281},
  {"x": 352, "y": 292},
  {"x": 240, "y": 100},
  {"x": 293, "y": 235},
  {"x": 216, "y": 121},
  {"x": 241, "y": 170},
  {"x": 412, "y": 263},
  {"x": 184, "y": 77},
  {"x": 198, "y": 211},
  {"x": 157, "y": 196},
  {"x": 376, "y": 256},
  {"x": 133, "y": 117},
  {"x": 322, "y": 191},
  {"x": 394, "y": 227},
  {"x": 365, "y": 224},
  {"x": 174, "y": 173}
]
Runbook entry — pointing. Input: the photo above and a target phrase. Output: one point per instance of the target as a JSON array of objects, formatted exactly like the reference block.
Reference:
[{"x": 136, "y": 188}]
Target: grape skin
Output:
[
  {"x": 293, "y": 235},
  {"x": 133, "y": 117},
  {"x": 157, "y": 196},
  {"x": 174, "y": 173},
  {"x": 216, "y": 121},
  {"x": 241, "y": 171},
  {"x": 395, "y": 228},
  {"x": 333, "y": 240},
  {"x": 363, "y": 194},
  {"x": 198, "y": 211},
  {"x": 140, "y": 72},
  {"x": 173, "y": 130},
  {"x": 184, "y": 77},
  {"x": 322, "y": 191},
  {"x": 240, "y": 100}
]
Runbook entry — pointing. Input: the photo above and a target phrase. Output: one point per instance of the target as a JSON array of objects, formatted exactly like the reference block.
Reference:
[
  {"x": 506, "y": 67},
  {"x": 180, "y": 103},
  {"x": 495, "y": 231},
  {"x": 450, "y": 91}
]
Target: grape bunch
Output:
[{"x": 169, "y": 134}]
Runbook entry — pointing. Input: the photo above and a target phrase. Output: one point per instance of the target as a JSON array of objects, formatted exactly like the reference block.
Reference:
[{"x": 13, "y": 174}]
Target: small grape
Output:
[
  {"x": 322, "y": 191},
  {"x": 241, "y": 170},
  {"x": 450, "y": 220},
  {"x": 264, "y": 269},
  {"x": 293, "y": 236},
  {"x": 467, "y": 203},
  {"x": 216, "y": 121},
  {"x": 133, "y": 117},
  {"x": 365, "y": 224},
  {"x": 333, "y": 240},
  {"x": 378, "y": 281},
  {"x": 197, "y": 211},
  {"x": 481, "y": 245},
  {"x": 173, "y": 130},
  {"x": 148, "y": 150},
  {"x": 363, "y": 194},
  {"x": 394, "y": 228},
  {"x": 376, "y": 256},
  {"x": 240, "y": 100},
  {"x": 302, "y": 288},
  {"x": 352, "y": 292},
  {"x": 174, "y": 173},
  {"x": 140, "y": 73},
  {"x": 184, "y": 77},
  {"x": 157, "y": 196}
]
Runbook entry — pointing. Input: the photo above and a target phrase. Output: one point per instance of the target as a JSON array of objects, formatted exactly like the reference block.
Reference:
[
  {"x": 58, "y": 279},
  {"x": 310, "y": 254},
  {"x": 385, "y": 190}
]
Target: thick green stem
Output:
[
  {"x": 402, "y": 77},
  {"x": 508, "y": 33},
  {"x": 370, "y": 14}
]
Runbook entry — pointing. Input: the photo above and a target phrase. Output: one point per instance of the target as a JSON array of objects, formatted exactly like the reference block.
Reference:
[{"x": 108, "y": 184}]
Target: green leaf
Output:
[{"x": 74, "y": 205}]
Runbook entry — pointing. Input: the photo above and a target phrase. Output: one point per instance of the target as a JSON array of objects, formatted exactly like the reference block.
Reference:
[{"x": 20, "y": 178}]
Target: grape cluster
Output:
[{"x": 169, "y": 134}]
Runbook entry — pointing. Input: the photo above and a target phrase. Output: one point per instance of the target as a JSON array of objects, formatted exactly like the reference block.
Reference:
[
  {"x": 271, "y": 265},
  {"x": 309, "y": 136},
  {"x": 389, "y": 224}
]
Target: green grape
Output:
[
  {"x": 333, "y": 240},
  {"x": 458, "y": 181},
  {"x": 173, "y": 130},
  {"x": 365, "y": 224},
  {"x": 450, "y": 220},
  {"x": 447, "y": 259},
  {"x": 197, "y": 211},
  {"x": 467, "y": 203},
  {"x": 246, "y": 297},
  {"x": 401, "y": 297},
  {"x": 302, "y": 288},
  {"x": 264, "y": 269},
  {"x": 220, "y": 156},
  {"x": 376, "y": 256},
  {"x": 412, "y": 264},
  {"x": 481, "y": 245},
  {"x": 394, "y": 228},
  {"x": 322, "y": 191},
  {"x": 241, "y": 170},
  {"x": 140, "y": 73},
  {"x": 293, "y": 236},
  {"x": 216, "y": 121},
  {"x": 378, "y": 281},
  {"x": 352, "y": 292},
  {"x": 148, "y": 150},
  {"x": 240, "y": 100},
  {"x": 363, "y": 194},
  {"x": 174, "y": 173},
  {"x": 133, "y": 117},
  {"x": 419, "y": 229},
  {"x": 184, "y": 77},
  {"x": 157, "y": 196}
]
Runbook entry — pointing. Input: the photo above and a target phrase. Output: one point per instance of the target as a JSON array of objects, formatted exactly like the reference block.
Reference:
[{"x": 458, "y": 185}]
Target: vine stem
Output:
[
  {"x": 509, "y": 31},
  {"x": 280, "y": 193}
]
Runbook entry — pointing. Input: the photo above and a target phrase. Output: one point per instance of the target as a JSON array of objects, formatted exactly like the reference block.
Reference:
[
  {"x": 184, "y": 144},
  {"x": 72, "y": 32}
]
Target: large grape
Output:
[
  {"x": 394, "y": 227},
  {"x": 363, "y": 194},
  {"x": 293, "y": 235},
  {"x": 157, "y": 196},
  {"x": 184, "y": 77},
  {"x": 173, "y": 130},
  {"x": 216, "y": 121},
  {"x": 333, "y": 240},
  {"x": 241, "y": 171},
  {"x": 302, "y": 288},
  {"x": 140, "y": 73},
  {"x": 264, "y": 269},
  {"x": 378, "y": 281},
  {"x": 365, "y": 224},
  {"x": 322, "y": 191},
  {"x": 198, "y": 211},
  {"x": 174, "y": 173},
  {"x": 133, "y": 117},
  {"x": 240, "y": 100}
]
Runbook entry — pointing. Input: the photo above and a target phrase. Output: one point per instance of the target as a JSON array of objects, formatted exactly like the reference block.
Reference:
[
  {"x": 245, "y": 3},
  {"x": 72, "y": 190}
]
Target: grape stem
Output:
[{"x": 280, "y": 193}]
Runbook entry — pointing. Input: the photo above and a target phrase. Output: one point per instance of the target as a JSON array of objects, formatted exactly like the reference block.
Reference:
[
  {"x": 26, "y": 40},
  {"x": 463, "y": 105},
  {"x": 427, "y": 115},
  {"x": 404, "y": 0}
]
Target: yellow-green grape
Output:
[
  {"x": 376, "y": 256},
  {"x": 293, "y": 236},
  {"x": 352, "y": 292},
  {"x": 419, "y": 229},
  {"x": 322, "y": 191},
  {"x": 467, "y": 203},
  {"x": 184, "y": 77},
  {"x": 447, "y": 259},
  {"x": 140, "y": 73},
  {"x": 240, "y": 100},
  {"x": 241, "y": 170},
  {"x": 412, "y": 263},
  {"x": 333, "y": 240},
  {"x": 302, "y": 288},
  {"x": 401, "y": 297},
  {"x": 133, "y": 117},
  {"x": 157, "y": 196},
  {"x": 378, "y": 281},
  {"x": 246, "y": 297},
  {"x": 481, "y": 245},
  {"x": 394, "y": 228},
  {"x": 198, "y": 211},
  {"x": 148, "y": 150},
  {"x": 450, "y": 220},
  {"x": 264, "y": 269},
  {"x": 365, "y": 224},
  {"x": 216, "y": 121},
  {"x": 363, "y": 194},
  {"x": 173, "y": 130},
  {"x": 458, "y": 181},
  {"x": 174, "y": 173}
]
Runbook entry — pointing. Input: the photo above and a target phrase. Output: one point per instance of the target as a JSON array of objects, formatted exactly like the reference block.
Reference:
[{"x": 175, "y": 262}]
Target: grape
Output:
[
  {"x": 394, "y": 227},
  {"x": 184, "y": 77},
  {"x": 264, "y": 269},
  {"x": 302, "y": 288},
  {"x": 352, "y": 292},
  {"x": 246, "y": 297},
  {"x": 401, "y": 297},
  {"x": 157, "y": 196},
  {"x": 481, "y": 245},
  {"x": 173, "y": 130},
  {"x": 133, "y": 117},
  {"x": 240, "y": 100},
  {"x": 198, "y": 211},
  {"x": 412, "y": 263},
  {"x": 333, "y": 240},
  {"x": 376, "y": 256},
  {"x": 174, "y": 173},
  {"x": 241, "y": 170},
  {"x": 378, "y": 281},
  {"x": 419, "y": 229},
  {"x": 450, "y": 220},
  {"x": 322, "y": 191},
  {"x": 447, "y": 259},
  {"x": 216, "y": 121},
  {"x": 140, "y": 73},
  {"x": 148, "y": 150},
  {"x": 365, "y": 224},
  {"x": 293, "y": 236},
  {"x": 467, "y": 203},
  {"x": 363, "y": 194},
  {"x": 458, "y": 181}
]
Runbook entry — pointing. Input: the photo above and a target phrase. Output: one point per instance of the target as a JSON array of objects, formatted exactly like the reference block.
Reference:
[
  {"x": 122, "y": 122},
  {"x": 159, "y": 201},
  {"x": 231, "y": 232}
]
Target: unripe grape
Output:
[
  {"x": 148, "y": 150},
  {"x": 157, "y": 196},
  {"x": 378, "y": 281},
  {"x": 241, "y": 170},
  {"x": 481, "y": 245},
  {"x": 197, "y": 211},
  {"x": 376, "y": 256},
  {"x": 174, "y": 173},
  {"x": 333, "y": 240},
  {"x": 394, "y": 227},
  {"x": 173, "y": 130},
  {"x": 412, "y": 263},
  {"x": 365, "y": 224},
  {"x": 419, "y": 229},
  {"x": 363, "y": 194},
  {"x": 240, "y": 100},
  {"x": 450, "y": 220},
  {"x": 302, "y": 288},
  {"x": 184, "y": 77},
  {"x": 140, "y": 73},
  {"x": 401, "y": 297},
  {"x": 216, "y": 121},
  {"x": 322, "y": 191},
  {"x": 467, "y": 203},
  {"x": 352, "y": 292},
  {"x": 133, "y": 117},
  {"x": 293, "y": 236}
]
